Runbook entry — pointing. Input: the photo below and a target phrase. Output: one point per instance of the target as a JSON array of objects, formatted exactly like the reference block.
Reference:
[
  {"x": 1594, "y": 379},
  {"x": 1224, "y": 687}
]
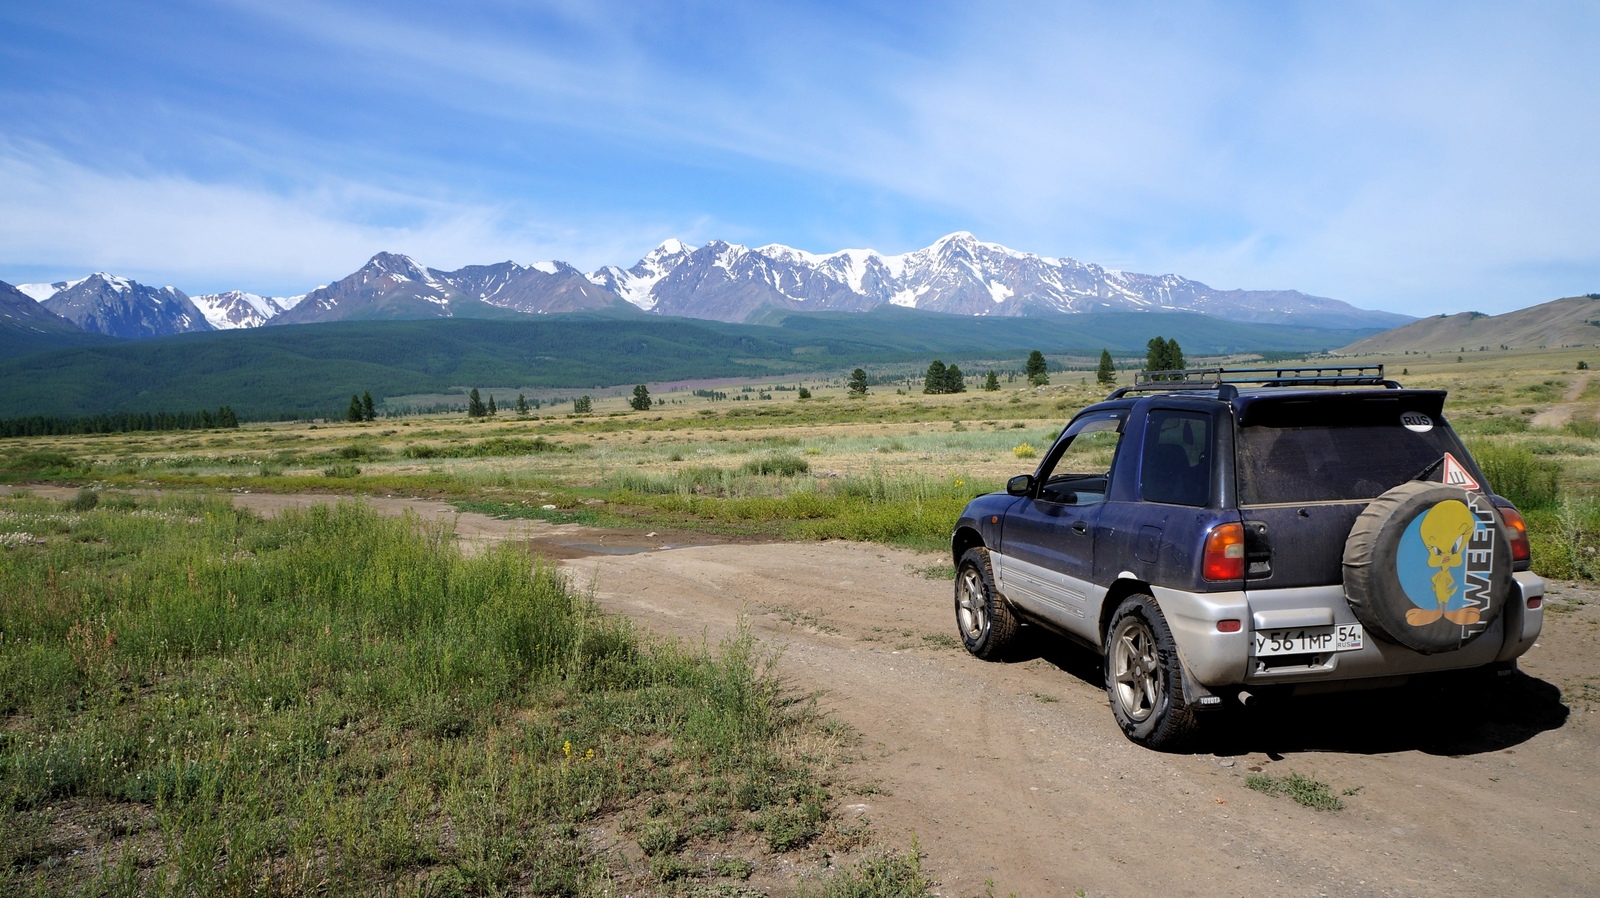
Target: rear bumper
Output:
[{"x": 1216, "y": 659}]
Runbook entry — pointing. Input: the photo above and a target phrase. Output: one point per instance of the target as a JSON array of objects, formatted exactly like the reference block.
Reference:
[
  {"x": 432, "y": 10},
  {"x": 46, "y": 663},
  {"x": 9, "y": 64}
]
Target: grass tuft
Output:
[{"x": 1302, "y": 789}]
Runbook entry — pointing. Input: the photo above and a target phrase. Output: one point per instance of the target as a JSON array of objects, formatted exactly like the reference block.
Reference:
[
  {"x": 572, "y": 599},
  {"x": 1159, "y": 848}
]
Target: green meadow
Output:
[{"x": 196, "y": 701}]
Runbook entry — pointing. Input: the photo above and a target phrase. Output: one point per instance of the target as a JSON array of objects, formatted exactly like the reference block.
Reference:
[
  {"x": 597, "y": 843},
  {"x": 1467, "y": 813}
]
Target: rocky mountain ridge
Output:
[{"x": 958, "y": 274}]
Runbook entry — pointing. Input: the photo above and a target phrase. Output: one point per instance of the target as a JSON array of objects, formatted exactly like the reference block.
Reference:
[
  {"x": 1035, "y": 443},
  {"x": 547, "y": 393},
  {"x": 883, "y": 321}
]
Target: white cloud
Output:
[{"x": 56, "y": 214}]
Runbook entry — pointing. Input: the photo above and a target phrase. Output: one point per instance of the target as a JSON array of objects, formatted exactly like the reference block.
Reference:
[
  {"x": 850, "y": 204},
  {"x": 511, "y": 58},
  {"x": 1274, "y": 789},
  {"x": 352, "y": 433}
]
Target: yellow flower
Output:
[{"x": 566, "y": 748}]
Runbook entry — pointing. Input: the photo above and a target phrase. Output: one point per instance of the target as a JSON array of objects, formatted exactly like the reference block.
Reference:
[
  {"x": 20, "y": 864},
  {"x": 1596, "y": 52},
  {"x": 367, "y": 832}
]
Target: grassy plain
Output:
[
  {"x": 893, "y": 467},
  {"x": 196, "y": 701}
]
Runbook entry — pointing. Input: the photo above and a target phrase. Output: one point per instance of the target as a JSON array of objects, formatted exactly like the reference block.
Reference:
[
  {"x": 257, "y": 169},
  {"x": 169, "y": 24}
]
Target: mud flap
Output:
[{"x": 1194, "y": 694}]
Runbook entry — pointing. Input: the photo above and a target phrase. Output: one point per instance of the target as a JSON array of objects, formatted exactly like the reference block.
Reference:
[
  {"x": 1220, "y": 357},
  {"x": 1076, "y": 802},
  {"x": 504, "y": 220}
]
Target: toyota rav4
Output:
[{"x": 1220, "y": 533}]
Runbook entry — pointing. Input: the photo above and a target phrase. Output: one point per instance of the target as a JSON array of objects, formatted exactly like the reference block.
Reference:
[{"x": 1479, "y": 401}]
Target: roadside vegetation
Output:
[{"x": 197, "y": 701}]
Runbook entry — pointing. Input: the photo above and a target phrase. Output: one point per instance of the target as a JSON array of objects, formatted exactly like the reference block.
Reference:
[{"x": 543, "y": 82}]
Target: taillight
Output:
[
  {"x": 1224, "y": 554},
  {"x": 1518, "y": 530}
]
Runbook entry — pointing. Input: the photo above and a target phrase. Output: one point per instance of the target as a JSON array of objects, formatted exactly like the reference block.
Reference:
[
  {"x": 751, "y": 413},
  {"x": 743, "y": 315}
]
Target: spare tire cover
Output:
[{"x": 1428, "y": 566}]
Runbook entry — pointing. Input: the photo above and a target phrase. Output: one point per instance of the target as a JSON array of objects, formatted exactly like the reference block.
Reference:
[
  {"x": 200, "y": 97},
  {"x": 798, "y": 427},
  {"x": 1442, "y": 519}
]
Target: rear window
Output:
[{"x": 1352, "y": 456}]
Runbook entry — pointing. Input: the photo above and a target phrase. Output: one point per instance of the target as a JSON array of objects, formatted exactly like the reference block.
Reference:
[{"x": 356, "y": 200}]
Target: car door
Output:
[{"x": 1047, "y": 556}]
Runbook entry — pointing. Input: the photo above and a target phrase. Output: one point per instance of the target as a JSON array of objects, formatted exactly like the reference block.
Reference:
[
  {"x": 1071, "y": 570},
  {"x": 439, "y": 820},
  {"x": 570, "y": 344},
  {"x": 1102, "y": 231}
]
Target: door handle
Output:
[{"x": 1080, "y": 527}]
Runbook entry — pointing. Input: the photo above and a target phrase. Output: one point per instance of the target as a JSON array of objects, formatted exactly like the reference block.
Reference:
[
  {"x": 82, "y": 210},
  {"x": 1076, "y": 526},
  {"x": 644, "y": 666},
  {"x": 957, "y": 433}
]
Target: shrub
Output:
[
  {"x": 86, "y": 500},
  {"x": 782, "y": 464},
  {"x": 1515, "y": 473},
  {"x": 341, "y": 471},
  {"x": 1024, "y": 450}
]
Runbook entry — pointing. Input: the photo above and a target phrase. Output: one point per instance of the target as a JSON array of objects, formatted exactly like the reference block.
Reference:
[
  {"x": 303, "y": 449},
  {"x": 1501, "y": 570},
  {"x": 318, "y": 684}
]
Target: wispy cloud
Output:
[{"x": 1420, "y": 158}]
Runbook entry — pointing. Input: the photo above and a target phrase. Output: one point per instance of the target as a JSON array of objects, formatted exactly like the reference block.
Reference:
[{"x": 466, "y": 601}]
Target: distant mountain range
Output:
[{"x": 958, "y": 274}]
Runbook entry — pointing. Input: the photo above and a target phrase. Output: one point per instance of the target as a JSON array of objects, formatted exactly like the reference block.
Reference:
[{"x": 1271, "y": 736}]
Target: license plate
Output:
[{"x": 1308, "y": 640}]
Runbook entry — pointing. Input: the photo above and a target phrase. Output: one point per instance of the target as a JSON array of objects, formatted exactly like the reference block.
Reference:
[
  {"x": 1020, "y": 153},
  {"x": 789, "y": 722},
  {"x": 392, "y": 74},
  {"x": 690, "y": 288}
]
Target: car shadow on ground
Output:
[
  {"x": 1447, "y": 716},
  {"x": 1460, "y": 715}
]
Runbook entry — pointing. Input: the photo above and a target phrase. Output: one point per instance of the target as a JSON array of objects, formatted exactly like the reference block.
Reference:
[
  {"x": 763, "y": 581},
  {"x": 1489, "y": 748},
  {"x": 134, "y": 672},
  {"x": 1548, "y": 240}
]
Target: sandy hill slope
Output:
[{"x": 1574, "y": 321}]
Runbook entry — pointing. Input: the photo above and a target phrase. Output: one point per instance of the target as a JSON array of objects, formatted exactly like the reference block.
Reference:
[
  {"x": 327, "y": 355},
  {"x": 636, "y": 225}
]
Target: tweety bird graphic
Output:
[{"x": 1445, "y": 530}]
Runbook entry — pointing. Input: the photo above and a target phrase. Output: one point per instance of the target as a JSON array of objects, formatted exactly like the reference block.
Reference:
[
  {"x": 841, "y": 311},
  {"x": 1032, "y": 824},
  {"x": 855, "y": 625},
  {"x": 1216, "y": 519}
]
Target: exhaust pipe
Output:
[{"x": 1246, "y": 699}]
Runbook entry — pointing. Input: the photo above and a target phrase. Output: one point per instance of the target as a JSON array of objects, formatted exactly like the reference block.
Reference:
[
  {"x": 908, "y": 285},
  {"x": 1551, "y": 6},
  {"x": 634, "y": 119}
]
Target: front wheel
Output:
[
  {"x": 1144, "y": 679},
  {"x": 985, "y": 621}
]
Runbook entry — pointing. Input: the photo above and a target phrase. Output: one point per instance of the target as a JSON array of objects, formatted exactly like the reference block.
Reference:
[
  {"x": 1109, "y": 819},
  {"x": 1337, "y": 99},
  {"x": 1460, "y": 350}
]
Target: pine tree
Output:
[
  {"x": 1163, "y": 355},
  {"x": 935, "y": 380},
  {"x": 492, "y": 409},
  {"x": 369, "y": 412},
  {"x": 991, "y": 383},
  {"x": 522, "y": 404},
  {"x": 641, "y": 399},
  {"x": 954, "y": 380},
  {"x": 803, "y": 394},
  {"x": 1037, "y": 369},
  {"x": 1108, "y": 371},
  {"x": 354, "y": 412},
  {"x": 475, "y": 406},
  {"x": 858, "y": 382},
  {"x": 583, "y": 405},
  {"x": 1175, "y": 356}
]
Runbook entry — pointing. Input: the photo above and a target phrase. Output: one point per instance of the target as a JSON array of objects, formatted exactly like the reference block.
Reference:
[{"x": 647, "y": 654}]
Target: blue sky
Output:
[{"x": 1419, "y": 158}]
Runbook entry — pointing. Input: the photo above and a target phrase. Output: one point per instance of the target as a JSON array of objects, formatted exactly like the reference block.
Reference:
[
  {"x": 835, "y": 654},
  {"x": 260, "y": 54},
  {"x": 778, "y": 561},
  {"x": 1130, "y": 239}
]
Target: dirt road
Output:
[
  {"x": 1015, "y": 773},
  {"x": 1559, "y": 414}
]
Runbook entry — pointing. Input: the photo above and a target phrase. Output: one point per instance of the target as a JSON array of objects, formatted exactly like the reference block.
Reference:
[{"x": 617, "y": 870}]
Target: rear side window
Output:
[{"x": 1176, "y": 467}]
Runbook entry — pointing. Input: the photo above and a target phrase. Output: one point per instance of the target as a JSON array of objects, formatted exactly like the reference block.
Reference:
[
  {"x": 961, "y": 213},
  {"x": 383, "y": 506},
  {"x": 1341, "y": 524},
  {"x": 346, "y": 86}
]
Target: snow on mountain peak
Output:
[
  {"x": 40, "y": 292},
  {"x": 236, "y": 308}
]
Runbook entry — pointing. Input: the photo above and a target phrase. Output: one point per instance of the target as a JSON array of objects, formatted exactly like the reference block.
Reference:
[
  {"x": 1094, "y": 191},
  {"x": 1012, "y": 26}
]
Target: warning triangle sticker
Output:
[{"x": 1456, "y": 475}]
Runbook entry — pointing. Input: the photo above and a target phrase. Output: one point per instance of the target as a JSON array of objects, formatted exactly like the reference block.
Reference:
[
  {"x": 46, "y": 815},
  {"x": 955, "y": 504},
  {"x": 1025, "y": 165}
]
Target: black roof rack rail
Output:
[{"x": 1217, "y": 378}]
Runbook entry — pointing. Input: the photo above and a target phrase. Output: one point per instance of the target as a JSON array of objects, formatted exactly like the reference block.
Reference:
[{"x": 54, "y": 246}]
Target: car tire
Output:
[
  {"x": 987, "y": 627},
  {"x": 1144, "y": 678}
]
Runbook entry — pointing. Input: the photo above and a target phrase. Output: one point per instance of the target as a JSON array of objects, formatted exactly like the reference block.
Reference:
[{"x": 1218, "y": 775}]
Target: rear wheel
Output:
[
  {"x": 1144, "y": 679},
  {"x": 984, "y": 620}
]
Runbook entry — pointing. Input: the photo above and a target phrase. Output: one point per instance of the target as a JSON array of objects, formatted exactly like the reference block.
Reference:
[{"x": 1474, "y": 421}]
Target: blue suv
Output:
[{"x": 1221, "y": 533}]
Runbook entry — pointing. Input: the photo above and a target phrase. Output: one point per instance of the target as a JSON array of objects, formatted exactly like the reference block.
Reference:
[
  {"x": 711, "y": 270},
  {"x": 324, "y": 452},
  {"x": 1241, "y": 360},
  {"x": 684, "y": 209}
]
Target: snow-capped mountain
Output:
[
  {"x": 958, "y": 274},
  {"x": 236, "y": 308},
  {"x": 395, "y": 286},
  {"x": 22, "y": 307},
  {"x": 118, "y": 307}
]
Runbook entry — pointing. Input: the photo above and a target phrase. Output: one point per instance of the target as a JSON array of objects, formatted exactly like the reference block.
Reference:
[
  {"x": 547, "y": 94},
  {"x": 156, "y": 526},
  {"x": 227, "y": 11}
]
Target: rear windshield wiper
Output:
[{"x": 1427, "y": 472}]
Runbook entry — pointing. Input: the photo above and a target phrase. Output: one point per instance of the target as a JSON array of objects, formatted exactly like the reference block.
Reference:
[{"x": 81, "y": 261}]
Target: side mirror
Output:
[{"x": 1020, "y": 485}]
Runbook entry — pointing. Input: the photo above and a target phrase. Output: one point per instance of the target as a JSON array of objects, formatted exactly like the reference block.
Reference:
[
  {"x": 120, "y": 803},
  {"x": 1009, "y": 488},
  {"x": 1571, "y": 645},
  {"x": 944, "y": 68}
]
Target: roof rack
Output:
[{"x": 1218, "y": 378}]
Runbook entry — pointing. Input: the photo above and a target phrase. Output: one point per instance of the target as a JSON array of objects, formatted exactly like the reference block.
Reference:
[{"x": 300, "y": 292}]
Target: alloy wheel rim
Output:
[
  {"x": 972, "y": 606},
  {"x": 1135, "y": 669}
]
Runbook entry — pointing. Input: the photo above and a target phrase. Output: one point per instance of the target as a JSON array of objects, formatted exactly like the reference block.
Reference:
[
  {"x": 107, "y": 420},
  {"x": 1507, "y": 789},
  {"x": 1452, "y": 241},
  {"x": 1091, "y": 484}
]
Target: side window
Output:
[
  {"x": 1079, "y": 473},
  {"x": 1176, "y": 467}
]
